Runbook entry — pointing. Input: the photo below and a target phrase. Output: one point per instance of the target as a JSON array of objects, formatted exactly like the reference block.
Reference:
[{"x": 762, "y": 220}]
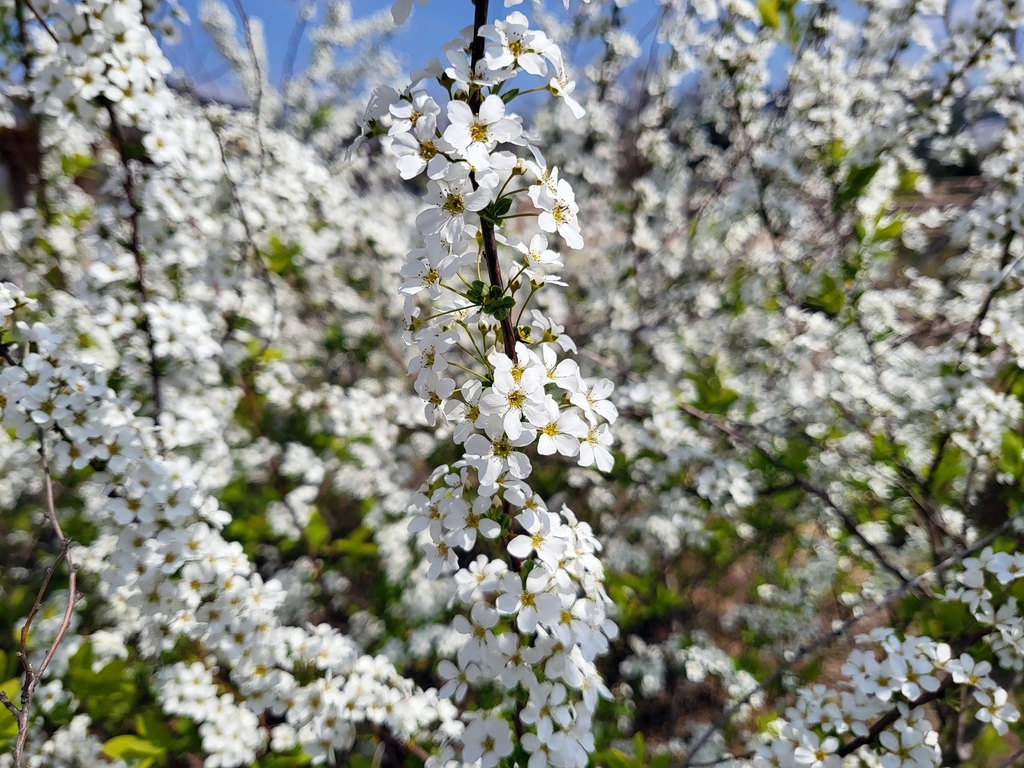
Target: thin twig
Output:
[
  {"x": 838, "y": 632},
  {"x": 135, "y": 246},
  {"x": 293, "y": 50},
  {"x": 487, "y": 228},
  {"x": 32, "y": 675},
  {"x": 257, "y": 103},
  {"x": 1015, "y": 759},
  {"x": 42, "y": 21}
]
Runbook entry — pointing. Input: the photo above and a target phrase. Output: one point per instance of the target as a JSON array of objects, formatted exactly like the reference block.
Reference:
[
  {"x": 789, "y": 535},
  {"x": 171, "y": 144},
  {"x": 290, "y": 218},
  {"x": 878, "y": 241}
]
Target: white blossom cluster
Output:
[
  {"x": 903, "y": 673},
  {"x": 167, "y": 574},
  {"x": 805, "y": 330},
  {"x": 537, "y": 609}
]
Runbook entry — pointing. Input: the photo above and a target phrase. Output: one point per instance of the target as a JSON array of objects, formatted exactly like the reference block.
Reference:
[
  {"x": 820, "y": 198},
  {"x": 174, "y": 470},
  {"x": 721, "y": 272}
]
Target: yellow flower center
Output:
[{"x": 478, "y": 132}]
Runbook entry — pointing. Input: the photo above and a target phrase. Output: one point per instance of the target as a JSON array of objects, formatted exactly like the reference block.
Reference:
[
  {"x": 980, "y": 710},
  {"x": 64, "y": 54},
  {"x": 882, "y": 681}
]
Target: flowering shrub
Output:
[{"x": 675, "y": 420}]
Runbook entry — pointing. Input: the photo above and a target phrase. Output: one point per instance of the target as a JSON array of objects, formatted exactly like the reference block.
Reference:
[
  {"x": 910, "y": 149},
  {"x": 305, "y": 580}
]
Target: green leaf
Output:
[
  {"x": 503, "y": 206},
  {"x": 712, "y": 396},
  {"x": 149, "y": 727},
  {"x": 950, "y": 468},
  {"x": 132, "y": 748},
  {"x": 614, "y": 758},
  {"x": 1011, "y": 453},
  {"x": 829, "y": 299},
  {"x": 280, "y": 256},
  {"x": 889, "y": 231},
  {"x": 769, "y": 12},
  {"x": 110, "y": 694},
  {"x": 75, "y": 165},
  {"x": 292, "y": 760},
  {"x": 496, "y": 210},
  {"x": 510, "y": 94},
  {"x": 317, "y": 532},
  {"x": 856, "y": 182},
  {"x": 8, "y": 725}
]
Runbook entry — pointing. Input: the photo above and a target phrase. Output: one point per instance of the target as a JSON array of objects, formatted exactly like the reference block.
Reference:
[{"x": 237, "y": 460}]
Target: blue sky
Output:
[{"x": 415, "y": 43}]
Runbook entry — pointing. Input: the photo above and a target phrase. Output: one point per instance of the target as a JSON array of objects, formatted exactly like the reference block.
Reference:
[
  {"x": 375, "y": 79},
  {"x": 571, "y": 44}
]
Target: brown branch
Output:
[
  {"x": 135, "y": 246},
  {"x": 487, "y": 228},
  {"x": 823, "y": 640},
  {"x": 1014, "y": 759},
  {"x": 257, "y": 103},
  {"x": 893, "y": 715},
  {"x": 252, "y": 253},
  {"x": 896, "y": 712},
  {"x": 392, "y": 745},
  {"x": 32, "y": 675},
  {"x": 848, "y": 521},
  {"x": 41, "y": 20}
]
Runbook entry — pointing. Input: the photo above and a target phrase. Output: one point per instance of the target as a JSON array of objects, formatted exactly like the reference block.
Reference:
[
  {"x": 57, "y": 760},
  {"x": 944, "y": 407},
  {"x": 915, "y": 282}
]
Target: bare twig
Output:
[
  {"x": 33, "y": 675},
  {"x": 257, "y": 103},
  {"x": 487, "y": 228},
  {"x": 135, "y": 246},
  {"x": 41, "y": 20},
  {"x": 252, "y": 254},
  {"x": 1015, "y": 759},
  {"x": 825, "y": 639},
  {"x": 293, "y": 50}
]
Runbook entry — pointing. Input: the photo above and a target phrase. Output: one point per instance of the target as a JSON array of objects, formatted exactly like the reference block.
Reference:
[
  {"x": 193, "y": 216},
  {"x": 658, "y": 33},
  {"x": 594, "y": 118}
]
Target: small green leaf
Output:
[
  {"x": 829, "y": 299},
  {"x": 149, "y": 727},
  {"x": 1011, "y": 454},
  {"x": 317, "y": 532},
  {"x": 856, "y": 182},
  {"x": 769, "y": 12},
  {"x": 496, "y": 210},
  {"x": 502, "y": 206},
  {"x": 889, "y": 232},
  {"x": 8, "y": 725},
  {"x": 510, "y": 94},
  {"x": 949, "y": 468},
  {"x": 132, "y": 748}
]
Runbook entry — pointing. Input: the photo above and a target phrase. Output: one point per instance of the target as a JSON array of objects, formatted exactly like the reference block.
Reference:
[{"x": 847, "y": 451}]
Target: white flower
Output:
[
  {"x": 561, "y": 85},
  {"x": 558, "y": 211},
  {"x": 513, "y": 43},
  {"x": 420, "y": 111},
  {"x": 594, "y": 449},
  {"x": 995, "y": 709},
  {"x": 495, "y": 454},
  {"x": 817, "y": 753},
  {"x": 515, "y": 394},
  {"x": 450, "y": 198},
  {"x": 536, "y": 254},
  {"x": 543, "y": 536},
  {"x": 458, "y": 678},
  {"x": 594, "y": 402},
  {"x": 418, "y": 150},
  {"x": 476, "y": 135},
  {"x": 478, "y": 626},
  {"x": 562, "y": 433},
  {"x": 531, "y": 604},
  {"x": 467, "y": 521},
  {"x": 487, "y": 739},
  {"x": 483, "y": 575}
]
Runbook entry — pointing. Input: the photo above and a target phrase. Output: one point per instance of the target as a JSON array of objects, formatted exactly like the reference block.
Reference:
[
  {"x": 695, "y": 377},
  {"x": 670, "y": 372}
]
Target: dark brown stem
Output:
[
  {"x": 508, "y": 333},
  {"x": 397, "y": 749},
  {"x": 897, "y": 712},
  {"x": 135, "y": 246},
  {"x": 893, "y": 715},
  {"x": 849, "y": 523},
  {"x": 32, "y": 675}
]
